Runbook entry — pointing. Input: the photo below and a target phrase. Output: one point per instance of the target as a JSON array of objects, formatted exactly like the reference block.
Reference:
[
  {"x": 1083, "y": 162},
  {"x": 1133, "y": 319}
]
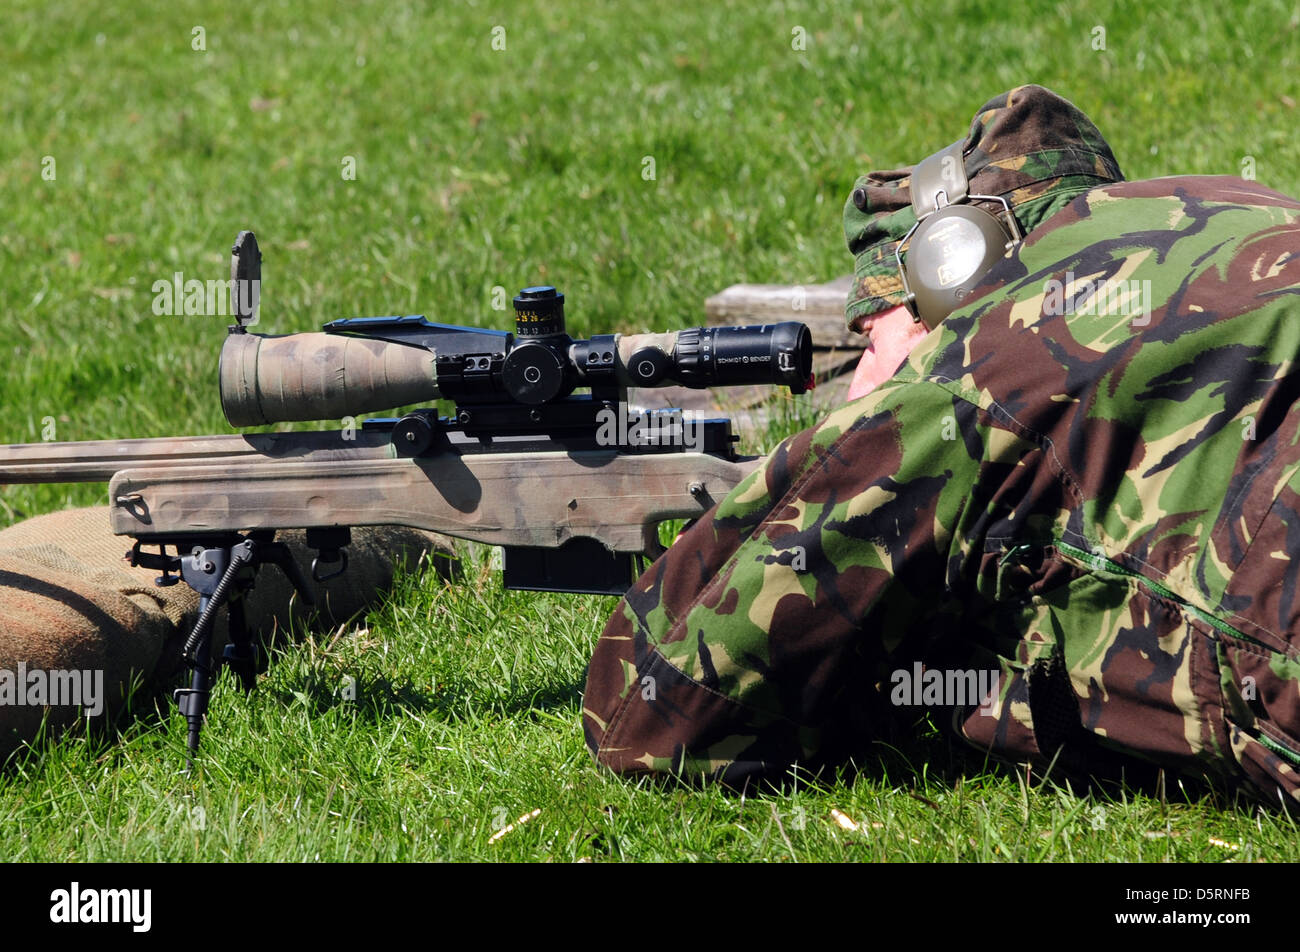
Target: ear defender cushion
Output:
[{"x": 948, "y": 254}]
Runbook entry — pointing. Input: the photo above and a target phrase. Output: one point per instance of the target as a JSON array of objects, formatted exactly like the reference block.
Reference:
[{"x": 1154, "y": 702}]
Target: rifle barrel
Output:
[{"x": 96, "y": 461}]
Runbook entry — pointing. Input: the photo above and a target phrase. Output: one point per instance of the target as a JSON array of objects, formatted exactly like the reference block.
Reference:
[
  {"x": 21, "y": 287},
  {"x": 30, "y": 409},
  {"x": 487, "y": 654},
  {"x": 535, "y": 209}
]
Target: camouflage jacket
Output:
[{"x": 1086, "y": 480}]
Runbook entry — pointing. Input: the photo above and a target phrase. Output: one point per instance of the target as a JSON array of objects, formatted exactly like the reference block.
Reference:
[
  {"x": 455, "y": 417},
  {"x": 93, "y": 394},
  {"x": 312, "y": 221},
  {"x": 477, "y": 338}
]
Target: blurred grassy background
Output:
[{"x": 478, "y": 167}]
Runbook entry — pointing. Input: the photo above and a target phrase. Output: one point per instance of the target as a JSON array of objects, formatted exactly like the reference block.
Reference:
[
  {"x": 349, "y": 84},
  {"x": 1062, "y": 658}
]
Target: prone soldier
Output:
[{"x": 1071, "y": 462}]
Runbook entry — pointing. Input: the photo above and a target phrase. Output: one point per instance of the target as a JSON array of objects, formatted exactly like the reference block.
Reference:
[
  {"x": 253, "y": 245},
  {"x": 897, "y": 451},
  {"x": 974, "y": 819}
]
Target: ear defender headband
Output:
[{"x": 953, "y": 244}]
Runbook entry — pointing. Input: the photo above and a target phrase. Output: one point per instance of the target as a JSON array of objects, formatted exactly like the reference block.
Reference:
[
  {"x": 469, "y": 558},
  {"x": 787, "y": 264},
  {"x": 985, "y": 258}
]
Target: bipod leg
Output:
[
  {"x": 241, "y": 654},
  {"x": 217, "y": 574},
  {"x": 221, "y": 568},
  {"x": 193, "y": 701}
]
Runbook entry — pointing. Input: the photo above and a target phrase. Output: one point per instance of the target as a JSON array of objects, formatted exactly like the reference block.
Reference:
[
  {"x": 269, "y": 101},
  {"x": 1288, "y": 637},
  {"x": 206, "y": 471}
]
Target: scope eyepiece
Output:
[{"x": 727, "y": 356}]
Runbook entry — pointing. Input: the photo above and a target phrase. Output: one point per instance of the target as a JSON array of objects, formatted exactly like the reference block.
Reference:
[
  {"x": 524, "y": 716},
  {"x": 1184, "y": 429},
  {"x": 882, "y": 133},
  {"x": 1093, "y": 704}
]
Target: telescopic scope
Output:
[{"x": 368, "y": 364}]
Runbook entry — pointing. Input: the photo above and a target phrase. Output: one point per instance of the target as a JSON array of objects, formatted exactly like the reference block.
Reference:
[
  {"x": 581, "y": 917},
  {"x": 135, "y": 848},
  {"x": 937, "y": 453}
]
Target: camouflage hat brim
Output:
[{"x": 1029, "y": 146}]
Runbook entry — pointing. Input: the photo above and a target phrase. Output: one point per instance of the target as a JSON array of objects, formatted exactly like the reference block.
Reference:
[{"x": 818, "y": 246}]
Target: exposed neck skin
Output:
[{"x": 893, "y": 334}]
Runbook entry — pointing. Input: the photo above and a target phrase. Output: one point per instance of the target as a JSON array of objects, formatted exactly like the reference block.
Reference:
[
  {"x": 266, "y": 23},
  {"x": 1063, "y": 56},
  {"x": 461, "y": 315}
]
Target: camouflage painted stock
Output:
[
  {"x": 180, "y": 486},
  {"x": 572, "y": 493},
  {"x": 505, "y": 499}
]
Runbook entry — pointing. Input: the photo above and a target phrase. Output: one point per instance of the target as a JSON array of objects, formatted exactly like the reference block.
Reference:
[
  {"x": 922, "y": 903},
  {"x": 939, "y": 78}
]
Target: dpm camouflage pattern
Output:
[{"x": 1097, "y": 494}]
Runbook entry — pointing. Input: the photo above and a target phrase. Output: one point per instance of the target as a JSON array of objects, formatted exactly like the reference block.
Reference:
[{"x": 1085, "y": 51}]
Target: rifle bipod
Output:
[{"x": 222, "y": 568}]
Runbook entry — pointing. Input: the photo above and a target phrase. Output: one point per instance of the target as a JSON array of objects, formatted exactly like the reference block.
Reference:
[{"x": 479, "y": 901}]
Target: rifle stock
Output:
[{"x": 539, "y": 500}]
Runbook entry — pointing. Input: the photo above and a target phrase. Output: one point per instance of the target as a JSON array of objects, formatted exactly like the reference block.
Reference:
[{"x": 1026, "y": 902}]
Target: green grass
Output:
[
  {"x": 479, "y": 168},
  {"x": 463, "y": 715}
]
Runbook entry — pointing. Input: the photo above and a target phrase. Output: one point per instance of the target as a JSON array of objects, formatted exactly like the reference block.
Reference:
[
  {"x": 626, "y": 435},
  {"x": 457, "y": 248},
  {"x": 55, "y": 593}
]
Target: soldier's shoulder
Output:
[
  {"x": 1161, "y": 204},
  {"x": 1230, "y": 189}
]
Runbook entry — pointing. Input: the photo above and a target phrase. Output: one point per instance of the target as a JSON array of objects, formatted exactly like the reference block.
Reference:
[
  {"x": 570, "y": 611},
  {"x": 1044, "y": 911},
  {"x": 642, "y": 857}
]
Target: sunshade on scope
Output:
[{"x": 368, "y": 364}]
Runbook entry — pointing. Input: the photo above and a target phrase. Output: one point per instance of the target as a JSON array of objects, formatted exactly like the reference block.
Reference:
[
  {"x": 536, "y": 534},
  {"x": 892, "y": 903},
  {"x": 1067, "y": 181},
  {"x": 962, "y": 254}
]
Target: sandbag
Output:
[{"x": 81, "y": 631}]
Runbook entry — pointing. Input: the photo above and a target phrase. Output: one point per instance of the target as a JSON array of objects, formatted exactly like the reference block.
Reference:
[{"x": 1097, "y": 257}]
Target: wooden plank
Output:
[{"x": 820, "y": 306}]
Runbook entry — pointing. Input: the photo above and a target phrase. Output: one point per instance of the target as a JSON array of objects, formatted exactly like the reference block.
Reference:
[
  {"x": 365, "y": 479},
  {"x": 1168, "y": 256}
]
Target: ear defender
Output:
[{"x": 953, "y": 244}]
